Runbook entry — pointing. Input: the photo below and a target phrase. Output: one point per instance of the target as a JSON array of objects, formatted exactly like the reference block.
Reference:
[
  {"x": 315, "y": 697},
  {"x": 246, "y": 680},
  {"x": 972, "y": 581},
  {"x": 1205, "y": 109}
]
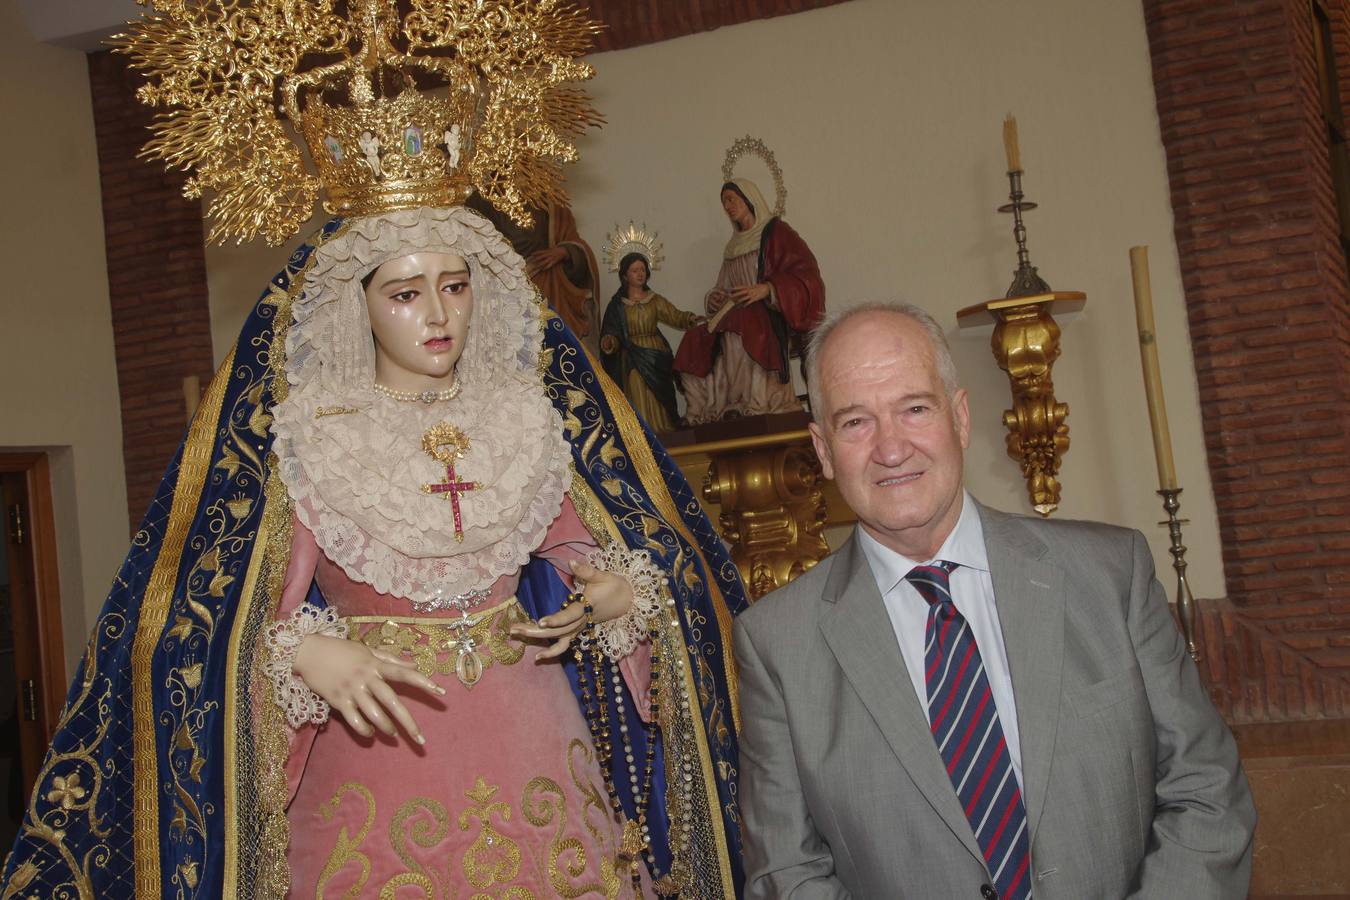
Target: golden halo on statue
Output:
[
  {"x": 632, "y": 239},
  {"x": 753, "y": 146}
]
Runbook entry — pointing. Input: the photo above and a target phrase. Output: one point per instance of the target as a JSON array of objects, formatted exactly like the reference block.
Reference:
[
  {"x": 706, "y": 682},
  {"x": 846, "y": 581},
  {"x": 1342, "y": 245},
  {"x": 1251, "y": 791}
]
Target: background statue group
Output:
[{"x": 735, "y": 361}]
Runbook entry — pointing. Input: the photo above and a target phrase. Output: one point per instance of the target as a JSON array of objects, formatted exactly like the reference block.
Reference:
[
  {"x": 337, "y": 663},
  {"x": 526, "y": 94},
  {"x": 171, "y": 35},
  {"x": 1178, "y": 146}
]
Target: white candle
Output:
[{"x": 1148, "y": 355}]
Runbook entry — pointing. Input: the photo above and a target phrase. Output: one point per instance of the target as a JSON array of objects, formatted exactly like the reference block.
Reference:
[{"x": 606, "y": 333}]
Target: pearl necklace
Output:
[{"x": 427, "y": 397}]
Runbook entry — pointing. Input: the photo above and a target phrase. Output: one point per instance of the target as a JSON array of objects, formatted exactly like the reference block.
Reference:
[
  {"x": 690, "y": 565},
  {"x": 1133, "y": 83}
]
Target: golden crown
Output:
[
  {"x": 397, "y": 111},
  {"x": 632, "y": 239}
]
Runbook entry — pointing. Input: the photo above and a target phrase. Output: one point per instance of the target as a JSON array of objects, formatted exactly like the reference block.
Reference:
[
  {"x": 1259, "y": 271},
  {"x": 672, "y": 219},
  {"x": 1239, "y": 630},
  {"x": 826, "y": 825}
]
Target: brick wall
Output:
[
  {"x": 156, "y": 281},
  {"x": 1265, "y": 285}
]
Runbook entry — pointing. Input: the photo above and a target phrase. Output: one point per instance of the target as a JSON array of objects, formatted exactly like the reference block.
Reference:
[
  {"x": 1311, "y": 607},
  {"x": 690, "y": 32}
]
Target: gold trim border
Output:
[
  {"x": 230, "y": 882},
  {"x": 192, "y": 470},
  {"x": 644, "y": 464}
]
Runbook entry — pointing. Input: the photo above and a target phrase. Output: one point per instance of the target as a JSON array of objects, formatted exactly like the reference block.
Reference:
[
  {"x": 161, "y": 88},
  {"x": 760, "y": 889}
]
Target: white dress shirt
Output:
[{"x": 973, "y": 594}]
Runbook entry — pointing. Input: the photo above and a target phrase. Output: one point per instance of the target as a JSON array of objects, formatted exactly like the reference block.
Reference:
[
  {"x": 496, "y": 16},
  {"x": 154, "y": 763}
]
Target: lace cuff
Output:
[
  {"x": 283, "y": 640},
  {"x": 618, "y": 637}
]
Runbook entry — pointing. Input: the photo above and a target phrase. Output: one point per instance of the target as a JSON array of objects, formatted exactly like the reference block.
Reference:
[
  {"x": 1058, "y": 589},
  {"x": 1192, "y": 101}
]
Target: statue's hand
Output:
[
  {"x": 716, "y": 300},
  {"x": 609, "y": 344},
  {"x": 355, "y": 681},
  {"x": 547, "y": 258},
  {"x": 609, "y": 595},
  {"x": 750, "y": 293}
]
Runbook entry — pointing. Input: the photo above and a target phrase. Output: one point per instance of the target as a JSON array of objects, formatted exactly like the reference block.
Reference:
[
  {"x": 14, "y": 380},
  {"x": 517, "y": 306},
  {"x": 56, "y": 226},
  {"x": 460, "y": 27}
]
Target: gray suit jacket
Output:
[{"x": 1132, "y": 782}]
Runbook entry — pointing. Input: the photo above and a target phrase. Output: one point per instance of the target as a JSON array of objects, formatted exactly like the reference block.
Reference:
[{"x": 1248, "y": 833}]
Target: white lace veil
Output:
[{"x": 352, "y": 460}]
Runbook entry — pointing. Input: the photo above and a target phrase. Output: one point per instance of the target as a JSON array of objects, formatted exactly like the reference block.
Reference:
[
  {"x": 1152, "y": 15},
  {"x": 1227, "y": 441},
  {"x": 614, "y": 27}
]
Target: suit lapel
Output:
[
  {"x": 859, "y": 633},
  {"x": 1029, "y": 594}
]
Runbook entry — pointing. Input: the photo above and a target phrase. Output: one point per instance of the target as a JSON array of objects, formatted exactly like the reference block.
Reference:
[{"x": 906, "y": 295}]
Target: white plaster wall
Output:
[
  {"x": 886, "y": 120},
  {"x": 58, "y": 378}
]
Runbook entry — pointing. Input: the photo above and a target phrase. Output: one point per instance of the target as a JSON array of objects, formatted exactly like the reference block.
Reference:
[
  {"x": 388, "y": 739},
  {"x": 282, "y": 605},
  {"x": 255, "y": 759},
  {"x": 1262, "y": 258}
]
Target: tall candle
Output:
[
  {"x": 1148, "y": 355},
  {"x": 1010, "y": 148}
]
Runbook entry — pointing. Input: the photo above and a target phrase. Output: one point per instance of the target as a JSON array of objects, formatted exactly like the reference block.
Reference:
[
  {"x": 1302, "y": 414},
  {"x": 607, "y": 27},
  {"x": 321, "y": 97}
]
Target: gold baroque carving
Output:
[
  {"x": 1025, "y": 345},
  {"x": 773, "y": 511}
]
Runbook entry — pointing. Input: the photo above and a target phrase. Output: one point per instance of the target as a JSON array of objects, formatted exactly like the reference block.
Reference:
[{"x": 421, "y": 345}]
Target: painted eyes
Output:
[{"x": 454, "y": 288}]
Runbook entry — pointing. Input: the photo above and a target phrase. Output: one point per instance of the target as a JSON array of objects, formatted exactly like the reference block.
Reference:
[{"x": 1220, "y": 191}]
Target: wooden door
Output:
[{"x": 35, "y": 604}]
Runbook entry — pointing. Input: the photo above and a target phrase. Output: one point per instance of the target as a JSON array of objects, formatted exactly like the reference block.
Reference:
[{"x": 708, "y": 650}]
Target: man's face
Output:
[
  {"x": 892, "y": 439},
  {"x": 420, "y": 306}
]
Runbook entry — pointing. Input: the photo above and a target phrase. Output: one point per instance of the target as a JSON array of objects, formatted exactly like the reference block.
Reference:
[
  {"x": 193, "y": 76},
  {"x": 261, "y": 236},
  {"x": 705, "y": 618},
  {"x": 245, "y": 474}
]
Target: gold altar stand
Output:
[{"x": 762, "y": 486}]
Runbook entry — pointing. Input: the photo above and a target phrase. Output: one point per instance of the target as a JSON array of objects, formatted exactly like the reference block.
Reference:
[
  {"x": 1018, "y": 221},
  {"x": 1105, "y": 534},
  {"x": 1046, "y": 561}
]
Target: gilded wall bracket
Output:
[{"x": 1026, "y": 345}]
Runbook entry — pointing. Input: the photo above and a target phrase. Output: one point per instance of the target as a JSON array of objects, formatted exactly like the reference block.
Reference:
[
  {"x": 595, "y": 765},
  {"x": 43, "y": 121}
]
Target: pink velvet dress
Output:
[{"x": 505, "y": 800}]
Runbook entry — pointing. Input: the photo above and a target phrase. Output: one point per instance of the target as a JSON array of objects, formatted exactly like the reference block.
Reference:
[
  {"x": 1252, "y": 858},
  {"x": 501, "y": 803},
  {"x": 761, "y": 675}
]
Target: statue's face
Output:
[
  {"x": 420, "y": 306},
  {"x": 736, "y": 210},
  {"x": 636, "y": 276}
]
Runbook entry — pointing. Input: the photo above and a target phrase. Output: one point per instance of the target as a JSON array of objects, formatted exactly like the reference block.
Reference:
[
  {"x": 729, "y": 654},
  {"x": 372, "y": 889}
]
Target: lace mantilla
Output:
[
  {"x": 301, "y": 705},
  {"x": 357, "y": 478},
  {"x": 619, "y": 637}
]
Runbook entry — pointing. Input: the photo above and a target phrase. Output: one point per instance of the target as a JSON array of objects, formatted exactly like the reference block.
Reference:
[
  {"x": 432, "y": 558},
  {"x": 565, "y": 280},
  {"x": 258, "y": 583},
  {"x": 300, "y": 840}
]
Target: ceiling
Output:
[{"x": 80, "y": 24}]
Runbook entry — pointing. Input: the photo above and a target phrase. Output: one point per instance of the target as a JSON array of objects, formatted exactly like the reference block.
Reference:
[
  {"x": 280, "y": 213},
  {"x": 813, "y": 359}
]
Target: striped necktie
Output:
[{"x": 965, "y": 725}]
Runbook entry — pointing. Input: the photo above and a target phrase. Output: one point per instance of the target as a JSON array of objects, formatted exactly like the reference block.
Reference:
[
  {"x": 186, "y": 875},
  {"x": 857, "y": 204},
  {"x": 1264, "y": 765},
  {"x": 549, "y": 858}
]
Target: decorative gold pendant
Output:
[{"x": 445, "y": 443}]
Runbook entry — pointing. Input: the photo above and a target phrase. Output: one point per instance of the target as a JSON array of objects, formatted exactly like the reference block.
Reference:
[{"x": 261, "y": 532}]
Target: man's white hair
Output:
[{"x": 937, "y": 340}]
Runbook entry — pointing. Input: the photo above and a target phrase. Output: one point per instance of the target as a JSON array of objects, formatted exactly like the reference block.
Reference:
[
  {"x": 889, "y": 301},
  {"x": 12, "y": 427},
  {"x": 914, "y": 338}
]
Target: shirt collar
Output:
[{"x": 964, "y": 546}]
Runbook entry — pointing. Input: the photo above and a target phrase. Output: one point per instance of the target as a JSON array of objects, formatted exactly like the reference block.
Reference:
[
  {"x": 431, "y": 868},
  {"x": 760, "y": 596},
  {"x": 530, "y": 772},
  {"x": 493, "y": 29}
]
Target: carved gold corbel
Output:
[
  {"x": 767, "y": 493},
  {"x": 1026, "y": 345}
]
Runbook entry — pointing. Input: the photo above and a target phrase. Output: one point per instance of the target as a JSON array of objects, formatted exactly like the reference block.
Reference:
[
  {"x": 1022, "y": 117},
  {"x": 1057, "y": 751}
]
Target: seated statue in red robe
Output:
[{"x": 738, "y": 365}]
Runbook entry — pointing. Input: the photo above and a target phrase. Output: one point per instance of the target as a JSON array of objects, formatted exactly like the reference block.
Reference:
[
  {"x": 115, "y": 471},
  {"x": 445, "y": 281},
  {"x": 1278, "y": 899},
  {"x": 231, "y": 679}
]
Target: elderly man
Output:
[{"x": 965, "y": 703}]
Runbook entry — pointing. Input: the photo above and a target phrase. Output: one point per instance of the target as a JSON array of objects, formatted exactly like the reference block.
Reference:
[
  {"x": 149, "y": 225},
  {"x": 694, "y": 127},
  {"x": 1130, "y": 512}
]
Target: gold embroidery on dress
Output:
[
  {"x": 438, "y": 646},
  {"x": 425, "y": 833},
  {"x": 347, "y": 848},
  {"x": 543, "y": 803},
  {"x": 615, "y": 863},
  {"x": 492, "y": 861},
  {"x": 492, "y": 858}
]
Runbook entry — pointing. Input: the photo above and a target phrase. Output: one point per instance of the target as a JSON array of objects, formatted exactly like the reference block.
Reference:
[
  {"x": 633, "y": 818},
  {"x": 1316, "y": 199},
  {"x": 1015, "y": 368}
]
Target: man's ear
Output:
[
  {"x": 822, "y": 450},
  {"x": 961, "y": 416}
]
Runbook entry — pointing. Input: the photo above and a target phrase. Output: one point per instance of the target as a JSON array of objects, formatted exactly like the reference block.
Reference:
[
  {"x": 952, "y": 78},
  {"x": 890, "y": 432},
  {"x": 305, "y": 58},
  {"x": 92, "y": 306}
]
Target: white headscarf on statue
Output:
[
  {"x": 743, "y": 242},
  {"x": 352, "y": 460}
]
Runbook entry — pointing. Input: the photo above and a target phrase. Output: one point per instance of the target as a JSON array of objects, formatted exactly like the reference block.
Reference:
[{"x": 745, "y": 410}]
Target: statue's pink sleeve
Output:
[
  {"x": 566, "y": 540},
  {"x": 294, "y": 589}
]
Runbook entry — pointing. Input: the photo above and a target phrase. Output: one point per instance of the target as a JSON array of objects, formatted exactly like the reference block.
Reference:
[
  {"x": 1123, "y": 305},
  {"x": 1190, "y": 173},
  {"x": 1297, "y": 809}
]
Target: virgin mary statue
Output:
[{"x": 420, "y": 608}]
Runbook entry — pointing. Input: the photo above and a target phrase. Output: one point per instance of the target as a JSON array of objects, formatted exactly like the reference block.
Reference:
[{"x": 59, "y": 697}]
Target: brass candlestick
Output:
[
  {"x": 1026, "y": 281},
  {"x": 1185, "y": 600}
]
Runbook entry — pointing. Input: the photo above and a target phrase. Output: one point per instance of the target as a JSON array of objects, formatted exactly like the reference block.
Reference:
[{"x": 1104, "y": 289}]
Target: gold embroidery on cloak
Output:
[{"x": 154, "y": 610}]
